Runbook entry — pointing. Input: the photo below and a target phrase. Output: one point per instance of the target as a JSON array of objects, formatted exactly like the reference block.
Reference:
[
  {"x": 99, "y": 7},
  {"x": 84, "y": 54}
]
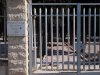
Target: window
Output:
[{"x": 3, "y": 28}]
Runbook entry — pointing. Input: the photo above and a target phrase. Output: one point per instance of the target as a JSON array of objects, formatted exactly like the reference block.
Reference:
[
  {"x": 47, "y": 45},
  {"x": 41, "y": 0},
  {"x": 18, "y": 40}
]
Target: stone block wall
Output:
[{"x": 17, "y": 45}]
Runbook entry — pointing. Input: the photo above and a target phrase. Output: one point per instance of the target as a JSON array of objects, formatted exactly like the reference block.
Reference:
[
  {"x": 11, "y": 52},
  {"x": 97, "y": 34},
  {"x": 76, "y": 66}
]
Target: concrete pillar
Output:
[{"x": 17, "y": 45}]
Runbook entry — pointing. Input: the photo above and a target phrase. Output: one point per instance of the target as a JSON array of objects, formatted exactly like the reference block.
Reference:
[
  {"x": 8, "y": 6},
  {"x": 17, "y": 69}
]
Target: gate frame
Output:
[
  {"x": 78, "y": 30},
  {"x": 78, "y": 37}
]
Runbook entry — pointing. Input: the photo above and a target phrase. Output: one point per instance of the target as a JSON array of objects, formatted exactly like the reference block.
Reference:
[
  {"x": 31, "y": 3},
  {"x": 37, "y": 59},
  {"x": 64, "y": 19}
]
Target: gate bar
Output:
[
  {"x": 94, "y": 38},
  {"x": 68, "y": 30},
  {"x": 51, "y": 39},
  {"x": 57, "y": 30},
  {"x": 78, "y": 37},
  {"x": 84, "y": 39},
  {"x": 34, "y": 28},
  {"x": 65, "y": 4},
  {"x": 46, "y": 38},
  {"x": 71, "y": 15},
  {"x": 63, "y": 38},
  {"x": 54, "y": 4},
  {"x": 74, "y": 38},
  {"x": 89, "y": 30},
  {"x": 40, "y": 28}
]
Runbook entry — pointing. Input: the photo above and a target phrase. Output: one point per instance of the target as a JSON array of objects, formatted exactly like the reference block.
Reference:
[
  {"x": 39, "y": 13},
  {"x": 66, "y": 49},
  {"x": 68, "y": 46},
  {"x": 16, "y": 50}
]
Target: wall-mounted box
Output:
[{"x": 16, "y": 28}]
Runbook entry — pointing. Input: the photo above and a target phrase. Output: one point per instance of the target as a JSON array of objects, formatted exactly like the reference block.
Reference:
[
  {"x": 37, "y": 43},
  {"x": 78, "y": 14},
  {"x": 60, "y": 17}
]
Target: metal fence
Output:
[
  {"x": 64, "y": 36},
  {"x": 3, "y": 29}
]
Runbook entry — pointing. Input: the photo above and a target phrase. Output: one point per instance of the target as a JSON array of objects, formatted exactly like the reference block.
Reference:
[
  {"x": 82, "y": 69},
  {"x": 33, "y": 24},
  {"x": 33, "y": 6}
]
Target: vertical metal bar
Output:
[
  {"x": 84, "y": 39},
  {"x": 51, "y": 39},
  {"x": 68, "y": 28},
  {"x": 5, "y": 35},
  {"x": 74, "y": 38},
  {"x": 63, "y": 38},
  {"x": 34, "y": 28},
  {"x": 46, "y": 38},
  {"x": 57, "y": 30},
  {"x": 3, "y": 28},
  {"x": 89, "y": 31},
  {"x": 30, "y": 38},
  {"x": 40, "y": 28},
  {"x": 94, "y": 38},
  {"x": 99, "y": 38},
  {"x": 78, "y": 37}
]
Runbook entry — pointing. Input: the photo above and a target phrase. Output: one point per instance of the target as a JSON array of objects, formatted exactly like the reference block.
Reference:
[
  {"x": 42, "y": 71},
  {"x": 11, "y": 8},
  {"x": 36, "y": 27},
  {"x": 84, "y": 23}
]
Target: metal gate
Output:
[{"x": 64, "y": 37}]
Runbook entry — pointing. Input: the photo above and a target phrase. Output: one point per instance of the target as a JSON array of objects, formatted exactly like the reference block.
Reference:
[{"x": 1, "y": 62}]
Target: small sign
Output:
[{"x": 16, "y": 28}]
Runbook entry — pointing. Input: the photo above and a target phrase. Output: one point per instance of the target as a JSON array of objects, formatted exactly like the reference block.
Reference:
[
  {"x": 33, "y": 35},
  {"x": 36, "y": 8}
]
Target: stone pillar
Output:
[{"x": 17, "y": 45}]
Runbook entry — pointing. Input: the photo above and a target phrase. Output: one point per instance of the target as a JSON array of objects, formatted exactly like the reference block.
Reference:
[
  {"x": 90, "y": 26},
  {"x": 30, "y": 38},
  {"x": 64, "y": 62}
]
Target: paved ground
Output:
[
  {"x": 65, "y": 73},
  {"x": 68, "y": 61}
]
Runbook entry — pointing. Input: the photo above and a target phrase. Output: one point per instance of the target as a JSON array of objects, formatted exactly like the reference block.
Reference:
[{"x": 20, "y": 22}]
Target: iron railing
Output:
[{"x": 60, "y": 36}]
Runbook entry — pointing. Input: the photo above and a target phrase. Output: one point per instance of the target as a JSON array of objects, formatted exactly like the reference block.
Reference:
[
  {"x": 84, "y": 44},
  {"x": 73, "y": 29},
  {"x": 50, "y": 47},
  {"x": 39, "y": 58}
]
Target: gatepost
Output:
[{"x": 17, "y": 32}]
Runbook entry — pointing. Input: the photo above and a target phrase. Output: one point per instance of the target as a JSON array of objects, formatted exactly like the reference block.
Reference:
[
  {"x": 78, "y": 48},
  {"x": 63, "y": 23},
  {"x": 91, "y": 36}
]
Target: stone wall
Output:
[{"x": 17, "y": 45}]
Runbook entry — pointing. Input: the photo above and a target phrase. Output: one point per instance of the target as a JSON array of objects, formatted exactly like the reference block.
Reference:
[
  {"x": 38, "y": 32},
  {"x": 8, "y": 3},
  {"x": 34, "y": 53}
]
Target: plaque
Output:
[{"x": 16, "y": 28}]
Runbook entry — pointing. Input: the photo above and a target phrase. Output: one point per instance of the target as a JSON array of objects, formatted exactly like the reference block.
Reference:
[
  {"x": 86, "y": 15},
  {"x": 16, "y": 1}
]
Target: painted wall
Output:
[{"x": 3, "y": 69}]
